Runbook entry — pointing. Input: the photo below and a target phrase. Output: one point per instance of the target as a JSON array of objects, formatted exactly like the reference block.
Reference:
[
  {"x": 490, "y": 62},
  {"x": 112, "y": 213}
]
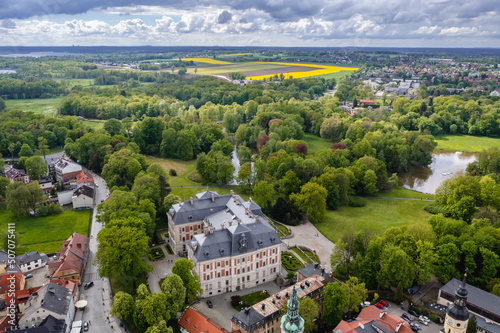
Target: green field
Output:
[
  {"x": 185, "y": 193},
  {"x": 402, "y": 192},
  {"x": 46, "y": 106},
  {"x": 70, "y": 83},
  {"x": 183, "y": 168},
  {"x": 240, "y": 67},
  {"x": 467, "y": 143},
  {"x": 316, "y": 143},
  {"x": 45, "y": 234},
  {"x": 94, "y": 124},
  {"x": 378, "y": 215},
  {"x": 335, "y": 75}
]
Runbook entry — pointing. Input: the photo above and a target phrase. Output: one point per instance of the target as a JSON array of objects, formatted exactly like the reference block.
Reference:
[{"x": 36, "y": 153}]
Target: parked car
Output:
[
  {"x": 209, "y": 303},
  {"x": 412, "y": 312},
  {"x": 365, "y": 304},
  {"x": 406, "y": 317},
  {"x": 86, "y": 326},
  {"x": 422, "y": 321},
  {"x": 88, "y": 285},
  {"x": 380, "y": 306},
  {"x": 415, "y": 327},
  {"x": 384, "y": 303},
  {"x": 424, "y": 318},
  {"x": 29, "y": 276}
]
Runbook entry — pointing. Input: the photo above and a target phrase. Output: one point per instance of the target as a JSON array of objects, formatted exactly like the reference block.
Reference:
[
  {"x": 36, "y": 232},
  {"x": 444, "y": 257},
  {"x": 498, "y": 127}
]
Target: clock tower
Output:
[{"x": 457, "y": 314}]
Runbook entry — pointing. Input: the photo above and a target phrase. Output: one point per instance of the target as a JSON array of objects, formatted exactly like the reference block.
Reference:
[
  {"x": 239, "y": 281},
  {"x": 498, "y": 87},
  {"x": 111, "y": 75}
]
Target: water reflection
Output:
[{"x": 444, "y": 165}]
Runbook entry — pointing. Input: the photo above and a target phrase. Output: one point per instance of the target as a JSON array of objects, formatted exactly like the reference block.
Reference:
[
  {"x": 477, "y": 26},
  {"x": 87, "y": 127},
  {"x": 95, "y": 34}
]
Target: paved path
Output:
[{"x": 307, "y": 235}]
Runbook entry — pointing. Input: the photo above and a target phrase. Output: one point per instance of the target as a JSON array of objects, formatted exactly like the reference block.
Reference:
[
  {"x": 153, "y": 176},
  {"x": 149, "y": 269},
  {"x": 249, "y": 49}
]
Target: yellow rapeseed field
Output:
[
  {"x": 208, "y": 61},
  {"x": 297, "y": 75}
]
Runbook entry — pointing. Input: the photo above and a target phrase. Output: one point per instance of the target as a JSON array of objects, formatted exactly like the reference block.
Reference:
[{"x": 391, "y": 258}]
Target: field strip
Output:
[{"x": 207, "y": 61}]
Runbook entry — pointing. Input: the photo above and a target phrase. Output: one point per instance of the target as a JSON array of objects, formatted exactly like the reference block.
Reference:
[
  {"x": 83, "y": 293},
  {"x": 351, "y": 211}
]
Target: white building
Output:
[
  {"x": 67, "y": 169},
  {"x": 83, "y": 197},
  {"x": 233, "y": 246},
  {"x": 31, "y": 261}
]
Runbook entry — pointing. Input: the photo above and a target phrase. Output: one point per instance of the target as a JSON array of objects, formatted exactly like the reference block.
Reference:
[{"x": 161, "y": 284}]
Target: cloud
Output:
[
  {"x": 457, "y": 31},
  {"x": 7, "y": 24},
  {"x": 224, "y": 17}
]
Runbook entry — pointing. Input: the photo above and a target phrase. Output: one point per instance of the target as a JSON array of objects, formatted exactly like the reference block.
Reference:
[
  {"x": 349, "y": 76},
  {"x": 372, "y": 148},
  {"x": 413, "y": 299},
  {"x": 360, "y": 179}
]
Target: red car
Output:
[
  {"x": 380, "y": 306},
  {"x": 384, "y": 303}
]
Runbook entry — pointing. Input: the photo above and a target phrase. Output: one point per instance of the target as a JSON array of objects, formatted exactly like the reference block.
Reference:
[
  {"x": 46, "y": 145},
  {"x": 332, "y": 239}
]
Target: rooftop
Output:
[
  {"x": 15, "y": 173},
  {"x": 196, "y": 322}
]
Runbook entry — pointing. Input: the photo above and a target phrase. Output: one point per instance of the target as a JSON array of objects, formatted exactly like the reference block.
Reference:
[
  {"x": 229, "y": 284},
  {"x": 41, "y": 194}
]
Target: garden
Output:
[
  {"x": 290, "y": 262},
  {"x": 241, "y": 302}
]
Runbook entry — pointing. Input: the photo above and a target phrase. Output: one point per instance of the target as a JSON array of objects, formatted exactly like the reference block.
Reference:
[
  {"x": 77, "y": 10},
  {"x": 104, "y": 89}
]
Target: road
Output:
[{"x": 99, "y": 296}]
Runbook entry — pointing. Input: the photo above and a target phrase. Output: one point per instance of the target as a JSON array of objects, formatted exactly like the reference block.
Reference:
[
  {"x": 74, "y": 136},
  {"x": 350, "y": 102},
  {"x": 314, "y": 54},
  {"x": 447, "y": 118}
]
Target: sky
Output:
[{"x": 296, "y": 23}]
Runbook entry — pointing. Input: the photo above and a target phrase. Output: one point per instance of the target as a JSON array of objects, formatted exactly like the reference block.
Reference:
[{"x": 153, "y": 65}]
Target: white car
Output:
[{"x": 424, "y": 320}]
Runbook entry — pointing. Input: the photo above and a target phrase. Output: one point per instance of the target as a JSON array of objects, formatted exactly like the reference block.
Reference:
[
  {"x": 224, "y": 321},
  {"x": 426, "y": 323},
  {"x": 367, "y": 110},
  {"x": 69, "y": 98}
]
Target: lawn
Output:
[
  {"x": 183, "y": 168},
  {"x": 467, "y": 143},
  {"x": 185, "y": 193},
  {"x": 94, "y": 124},
  {"x": 252, "y": 299},
  {"x": 46, "y": 106},
  {"x": 336, "y": 75},
  {"x": 315, "y": 143},
  {"x": 290, "y": 262},
  {"x": 378, "y": 215},
  {"x": 46, "y": 234},
  {"x": 312, "y": 256},
  {"x": 70, "y": 83},
  {"x": 300, "y": 254},
  {"x": 402, "y": 192}
]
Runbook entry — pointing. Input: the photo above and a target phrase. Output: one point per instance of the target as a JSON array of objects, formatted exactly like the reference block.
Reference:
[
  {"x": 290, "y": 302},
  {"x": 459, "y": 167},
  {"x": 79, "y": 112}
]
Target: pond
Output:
[{"x": 444, "y": 165}]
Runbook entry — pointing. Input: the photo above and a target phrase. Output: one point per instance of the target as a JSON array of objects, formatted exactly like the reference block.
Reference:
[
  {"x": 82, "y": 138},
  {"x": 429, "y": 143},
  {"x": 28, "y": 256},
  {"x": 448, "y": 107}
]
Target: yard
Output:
[
  {"x": 378, "y": 215},
  {"x": 45, "y": 234},
  {"x": 467, "y": 143},
  {"x": 182, "y": 168},
  {"x": 251, "y": 299}
]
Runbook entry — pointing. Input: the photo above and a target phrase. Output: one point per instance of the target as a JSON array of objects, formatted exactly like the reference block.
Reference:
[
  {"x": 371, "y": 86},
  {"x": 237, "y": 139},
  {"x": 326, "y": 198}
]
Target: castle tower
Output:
[
  {"x": 457, "y": 314},
  {"x": 292, "y": 322}
]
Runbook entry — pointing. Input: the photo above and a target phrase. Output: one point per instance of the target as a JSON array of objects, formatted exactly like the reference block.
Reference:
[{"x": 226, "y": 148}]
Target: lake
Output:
[{"x": 444, "y": 165}]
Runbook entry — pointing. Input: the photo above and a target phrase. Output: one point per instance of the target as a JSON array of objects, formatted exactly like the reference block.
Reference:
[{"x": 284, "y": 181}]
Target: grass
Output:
[
  {"x": 315, "y": 143},
  {"x": 300, "y": 254},
  {"x": 402, "y": 192},
  {"x": 181, "y": 167},
  {"x": 467, "y": 143},
  {"x": 156, "y": 254},
  {"x": 169, "y": 249},
  {"x": 378, "y": 215},
  {"x": 251, "y": 299},
  {"x": 336, "y": 75},
  {"x": 94, "y": 124},
  {"x": 45, "y": 234},
  {"x": 312, "y": 255},
  {"x": 122, "y": 283},
  {"x": 290, "y": 262},
  {"x": 46, "y": 106},
  {"x": 70, "y": 83},
  {"x": 186, "y": 193}
]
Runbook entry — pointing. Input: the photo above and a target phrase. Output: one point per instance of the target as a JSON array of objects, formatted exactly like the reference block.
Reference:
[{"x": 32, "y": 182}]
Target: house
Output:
[
  {"x": 9, "y": 280},
  {"x": 52, "y": 300},
  {"x": 373, "y": 320},
  {"x": 84, "y": 178},
  {"x": 265, "y": 316},
  {"x": 31, "y": 261},
  {"x": 66, "y": 169},
  {"x": 51, "y": 164},
  {"x": 193, "y": 321},
  {"x": 495, "y": 93},
  {"x": 237, "y": 248},
  {"x": 49, "y": 325},
  {"x": 45, "y": 185},
  {"x": 71, "y": 259},
  {"x": 484, "y": 305},
  {"x": 16, "y": 175},
  {"x": 315, "y": 269},
  {"x": 367, "y": 102},
  {"x": 20, "y": 297},
  {"x": 83, "y": 197},
  {"x": 65, "y": 197},
  {"x": 68, "y": 284},
  {"x": 8, "y": 264}
]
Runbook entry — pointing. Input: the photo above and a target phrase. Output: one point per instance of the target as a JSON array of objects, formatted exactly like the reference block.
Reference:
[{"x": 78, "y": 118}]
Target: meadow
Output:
[
  {"x": 466, "y": 143},
  {"x": 45, "y": 234},
  {"x": 46, "y": 106},
  {"x": 93, "y": 123},
  {"x": 378, "y": 215},
  {"x": 315, "y": 143}
]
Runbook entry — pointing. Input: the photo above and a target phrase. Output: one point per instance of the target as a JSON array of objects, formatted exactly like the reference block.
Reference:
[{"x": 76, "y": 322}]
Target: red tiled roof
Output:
[
  {"x": 5, "y": 282},
  {"x": 84, "y": 177},
  {"x": 196, "y": 322},
  {"x": 22, "y": 296},
  {"x": 372, "y": 313},
  {"x": 68, "y": 284},
  {"x": 368, "y": 101},
  {"x": 72, "y": 253}
]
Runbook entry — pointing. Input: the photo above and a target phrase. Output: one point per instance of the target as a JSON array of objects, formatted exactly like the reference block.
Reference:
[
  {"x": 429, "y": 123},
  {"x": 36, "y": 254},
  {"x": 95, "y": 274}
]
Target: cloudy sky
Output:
[{"x": 322, "y": 23}]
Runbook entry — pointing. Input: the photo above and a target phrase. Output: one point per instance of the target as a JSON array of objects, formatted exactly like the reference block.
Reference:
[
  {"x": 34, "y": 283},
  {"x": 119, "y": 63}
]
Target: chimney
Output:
[
  {"x": 213, "y": 197},
  {"x": 206, "y": 231},
  {"x": 180, "y": 201},
  {"x": 191, "y": 199},
  {"x": 232, "y": 193},
  {"x": 222, "y": 226},
  {"x": 250, "y": 200},
  {"x": 211, "y": 230},
  {"x": 246, "y": 211},
  {"x": 230, "y": 222},
  {"x": 256, "y": 218}
]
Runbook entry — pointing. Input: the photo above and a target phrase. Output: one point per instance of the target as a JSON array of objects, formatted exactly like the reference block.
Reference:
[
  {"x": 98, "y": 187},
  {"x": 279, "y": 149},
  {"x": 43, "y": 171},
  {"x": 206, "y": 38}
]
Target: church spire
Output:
[
  {"x": 292, "y": 322},
  {"x": 457, "y": 314}
]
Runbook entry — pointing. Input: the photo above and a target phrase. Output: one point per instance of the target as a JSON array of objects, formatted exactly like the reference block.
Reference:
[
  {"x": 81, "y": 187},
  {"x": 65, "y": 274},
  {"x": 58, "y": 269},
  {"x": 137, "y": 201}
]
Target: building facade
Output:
[
  {"x": 31, "y": 261},
  {"x": 457, "y": 314},
  {"x": 66, "y": 169}
]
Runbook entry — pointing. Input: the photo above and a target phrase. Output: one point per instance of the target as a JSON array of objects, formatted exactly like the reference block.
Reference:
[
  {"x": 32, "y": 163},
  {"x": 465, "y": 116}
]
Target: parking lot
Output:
[{"x": 432, "y": 328}]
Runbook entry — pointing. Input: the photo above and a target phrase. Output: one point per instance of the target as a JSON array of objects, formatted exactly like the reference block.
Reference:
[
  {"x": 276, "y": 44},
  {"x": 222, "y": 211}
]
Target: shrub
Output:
[
  {"x": 235, "y": 300},
  {"x": 357, "y": 202},
  {"x": 172, "y": 172},
  {"x": 194, "y": 176},
  {"x": 434, "y": 208},
  {"x": 52, "y": 209}
]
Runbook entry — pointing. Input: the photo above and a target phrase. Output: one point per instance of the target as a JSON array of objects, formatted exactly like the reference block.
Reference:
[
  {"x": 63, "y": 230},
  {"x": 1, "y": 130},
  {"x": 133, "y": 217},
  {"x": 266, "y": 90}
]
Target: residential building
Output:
[
  {"x": 51, "y": 164},
  {"x": 20, "y": 297},
  {"x": 193, "y": 321},
  {"x": 45, "y": 185},
  {"x": 315, "y": 269},
  {"x": 66, "y": 169},
  {"x": 265, "y": 316},
  {"x": 83, "y": 197},
  {"x": 49, "y": 325},
  {"x": 495, "y": 92},
  {"x": 16, "y": 175},
  {"x": 53, "y": 300},
  {"x": 71, "y": 259},
  {"x": 238, "y": 249},
  {"x": 84, "y": 178},
  {"x": 482, "y": 304},
  {"x": 7, "y": 264},
  {"x": 31, "y": 261},
  {"x": 9, "y": 280},
  {"x": 373, "y": 320},
  {"x": 70, "y": 285}
]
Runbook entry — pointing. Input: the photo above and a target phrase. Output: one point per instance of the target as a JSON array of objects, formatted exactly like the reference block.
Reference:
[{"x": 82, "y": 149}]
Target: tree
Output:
[
  {"x": 264, "y": 194},
  {"x": 312, "y": 201},
  {"x": 152, "y": 309},
  {"x": 25, "y": 151},
  {"x": 245, "y": 176},
  {"x": 471, "y": 325},
  {"x": 146, "y": 187},
  {"x": 424, "y": 262},
  {"x": 355, "y": 292},
  {"x": 398, "y": 298},
  {"x": 183, "y": 268},
  {"x": 122, "y": 252},
  {"x": 23, "y": 199},
  {"x": 43, "y": 146},
  {"x": 35, "y": 167},
  {"x": 174, "y": 289},
  {"x": 309, "y": 311},
  {"x": 396, "y": 267},
  {"x": 113, "y": 126},
  {"x": 334, "y": 301},
  {"x": 448, "y": 257},
  {"x": 123, "y": 306}
]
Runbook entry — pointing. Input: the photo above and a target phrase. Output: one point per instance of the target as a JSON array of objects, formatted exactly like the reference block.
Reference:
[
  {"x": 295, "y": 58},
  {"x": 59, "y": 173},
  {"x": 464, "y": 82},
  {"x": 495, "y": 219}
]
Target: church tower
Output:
[
  {"x": 457, "y": 314},
  {"x": 292, "y": 322}
]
